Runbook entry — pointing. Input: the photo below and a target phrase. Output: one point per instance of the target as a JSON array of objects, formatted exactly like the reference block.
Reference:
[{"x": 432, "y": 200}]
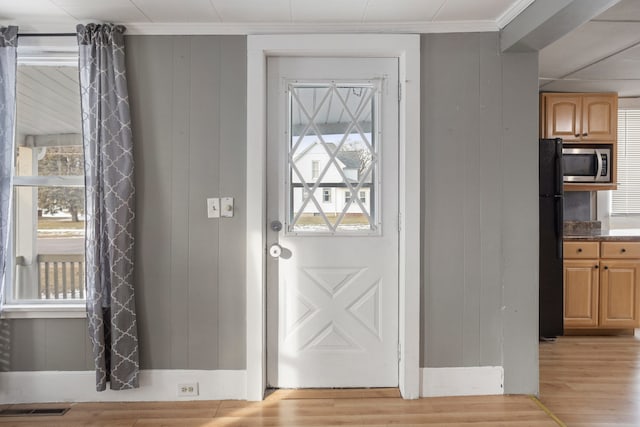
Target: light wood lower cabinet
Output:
[
  {"x": 619, "y": 287},
  {"x": 601, "y": 285},
  {"x": 581, "y": 293}
]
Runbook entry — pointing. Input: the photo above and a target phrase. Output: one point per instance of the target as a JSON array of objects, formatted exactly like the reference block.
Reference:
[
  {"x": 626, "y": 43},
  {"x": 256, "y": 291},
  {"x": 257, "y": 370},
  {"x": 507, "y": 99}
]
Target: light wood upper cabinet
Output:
[
  {"x": 562, "y": 117},
  {"x": 579, "y": 117},
  {"x": 600, "y": 117}
]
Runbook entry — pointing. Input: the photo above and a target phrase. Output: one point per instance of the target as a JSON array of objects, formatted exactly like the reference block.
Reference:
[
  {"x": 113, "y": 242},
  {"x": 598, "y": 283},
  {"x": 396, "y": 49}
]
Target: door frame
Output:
[{"x": 405, "y": 47}]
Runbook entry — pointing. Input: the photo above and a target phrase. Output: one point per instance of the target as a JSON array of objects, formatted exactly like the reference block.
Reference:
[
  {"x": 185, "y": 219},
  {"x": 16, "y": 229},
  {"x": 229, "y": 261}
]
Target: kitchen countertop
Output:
[{"x": 618, "y": 235}]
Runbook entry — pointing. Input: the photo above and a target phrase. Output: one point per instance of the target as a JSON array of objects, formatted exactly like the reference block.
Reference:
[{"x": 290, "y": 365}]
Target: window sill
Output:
[{"x": 44, "y": 311}]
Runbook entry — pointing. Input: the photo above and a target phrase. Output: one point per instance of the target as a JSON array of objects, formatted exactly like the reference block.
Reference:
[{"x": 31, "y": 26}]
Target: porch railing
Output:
[{"x": 61, "y": 276}]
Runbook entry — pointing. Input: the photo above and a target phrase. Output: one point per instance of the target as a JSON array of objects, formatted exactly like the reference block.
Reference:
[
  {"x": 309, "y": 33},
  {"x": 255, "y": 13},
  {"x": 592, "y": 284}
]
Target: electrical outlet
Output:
[
  {"x": 226, "y": 207},
  {"x": 187, "y": 389}
]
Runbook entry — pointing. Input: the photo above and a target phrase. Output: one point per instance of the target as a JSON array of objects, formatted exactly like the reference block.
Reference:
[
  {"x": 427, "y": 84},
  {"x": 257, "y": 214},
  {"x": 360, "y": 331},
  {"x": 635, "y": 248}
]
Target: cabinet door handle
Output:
[
  {"x": 606, "y": 268},
  {"x": 623, "y": 250},
  {"x": 579, "y": 250},
  {"x": 595, "y": 266},
  {"x": 577, "y": 135},
  {"x": 585, "y": 134}
]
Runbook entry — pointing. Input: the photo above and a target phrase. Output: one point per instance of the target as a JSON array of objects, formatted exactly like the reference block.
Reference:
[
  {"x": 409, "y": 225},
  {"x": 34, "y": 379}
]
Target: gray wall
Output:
[
  {"x": 479, "y": 196},
  {"x": 188, "y": 107},
  {"x": 188, "y": 110},
  {"x": 480, "y": 227},
  {"x": 44, "y": 345}
]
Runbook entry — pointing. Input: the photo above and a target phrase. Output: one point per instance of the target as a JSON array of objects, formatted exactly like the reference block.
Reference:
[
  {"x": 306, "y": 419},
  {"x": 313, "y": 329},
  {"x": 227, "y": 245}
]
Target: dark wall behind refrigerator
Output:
[{"x": 577, "y": 206}]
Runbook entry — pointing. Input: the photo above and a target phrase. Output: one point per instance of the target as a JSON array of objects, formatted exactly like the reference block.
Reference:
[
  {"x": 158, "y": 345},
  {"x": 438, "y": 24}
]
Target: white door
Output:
[{"x": 332, "y": 212}]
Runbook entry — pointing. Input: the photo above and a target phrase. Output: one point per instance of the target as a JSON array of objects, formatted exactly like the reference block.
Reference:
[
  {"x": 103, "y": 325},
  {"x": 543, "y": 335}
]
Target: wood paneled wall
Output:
[
  {"x": 479, "y": 182},
  {"x": 480, "y": 205},
  {"x": 188, "y": 107}
]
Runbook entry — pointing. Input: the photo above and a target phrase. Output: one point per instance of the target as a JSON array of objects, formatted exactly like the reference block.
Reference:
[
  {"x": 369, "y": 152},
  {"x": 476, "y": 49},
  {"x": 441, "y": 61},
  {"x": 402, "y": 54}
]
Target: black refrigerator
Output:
[{"x": 551, "y": 226}]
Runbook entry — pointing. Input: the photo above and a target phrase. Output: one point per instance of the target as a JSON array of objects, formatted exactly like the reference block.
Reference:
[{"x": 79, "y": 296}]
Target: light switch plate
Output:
[
  {"x": 226, "y": 207},
  {"x": 213, "y": 207}
]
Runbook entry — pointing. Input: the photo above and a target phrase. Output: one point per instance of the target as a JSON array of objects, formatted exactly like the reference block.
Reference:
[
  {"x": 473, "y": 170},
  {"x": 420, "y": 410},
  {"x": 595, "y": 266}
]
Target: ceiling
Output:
[
  {"x": 48, "y": 101},
  {"x": 603, "y": 55},
  {"x": 253, "y": 15},
  {"x": 48, "y": 96},
  {"x": 600, "y": 55}
]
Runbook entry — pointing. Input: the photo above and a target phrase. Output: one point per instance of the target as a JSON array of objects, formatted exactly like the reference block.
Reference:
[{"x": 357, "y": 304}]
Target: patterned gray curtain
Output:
[
  {"x": 108, "y": 158},
  {"x": 8, "y": 45}
]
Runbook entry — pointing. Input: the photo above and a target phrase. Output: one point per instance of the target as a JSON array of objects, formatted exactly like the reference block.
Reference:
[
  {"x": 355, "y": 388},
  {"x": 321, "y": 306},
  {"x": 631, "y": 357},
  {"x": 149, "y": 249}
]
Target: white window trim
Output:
[
  {"x": 51, "y": 51},
  {"x": 405, "y": 47},
  {"x": 44, "y": 311},
  {"x": 50, "y": 180}
]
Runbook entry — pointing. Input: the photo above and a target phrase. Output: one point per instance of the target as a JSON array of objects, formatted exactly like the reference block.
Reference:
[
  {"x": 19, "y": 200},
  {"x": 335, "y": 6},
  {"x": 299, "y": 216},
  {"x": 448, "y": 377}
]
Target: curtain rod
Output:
[{"x": 47, "y": 34}]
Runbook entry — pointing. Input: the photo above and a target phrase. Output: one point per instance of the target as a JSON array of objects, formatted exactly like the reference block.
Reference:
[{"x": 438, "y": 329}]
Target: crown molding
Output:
[
  {"x": 516, "y": 9},
  {"x": 306, "y": 28},
  {"x": 211, "y": 28}
]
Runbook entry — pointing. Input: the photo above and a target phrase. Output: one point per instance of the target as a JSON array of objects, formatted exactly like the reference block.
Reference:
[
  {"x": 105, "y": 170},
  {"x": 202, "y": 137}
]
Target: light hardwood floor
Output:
[
  {"x": 307, "y": 408},
  {"x": 592, "y": 381},
  {"x": 584, "y": 381}
]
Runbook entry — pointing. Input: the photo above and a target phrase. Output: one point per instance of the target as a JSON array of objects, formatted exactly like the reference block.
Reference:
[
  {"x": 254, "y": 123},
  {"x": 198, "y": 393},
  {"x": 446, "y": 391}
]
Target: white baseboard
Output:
[
  {"x": 155, "y": 385},
  {"x": 477, "y": 380},
  {"x": 162, "y": 385}
]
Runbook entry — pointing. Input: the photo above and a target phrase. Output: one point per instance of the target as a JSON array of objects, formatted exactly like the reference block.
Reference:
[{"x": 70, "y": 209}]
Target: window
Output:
[
  {"x": 338, "y": 140},
  {"x": 625, "y": 201},
  {"x": 48, "y": 232}
]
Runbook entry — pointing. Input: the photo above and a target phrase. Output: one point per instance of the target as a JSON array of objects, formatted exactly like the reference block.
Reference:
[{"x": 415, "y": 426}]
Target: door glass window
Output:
[{"x": 333, "y": 153}]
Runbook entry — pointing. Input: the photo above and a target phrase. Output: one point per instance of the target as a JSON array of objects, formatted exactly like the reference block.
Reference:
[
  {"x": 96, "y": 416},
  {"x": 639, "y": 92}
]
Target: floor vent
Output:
[{"x": 32, "y": 412}]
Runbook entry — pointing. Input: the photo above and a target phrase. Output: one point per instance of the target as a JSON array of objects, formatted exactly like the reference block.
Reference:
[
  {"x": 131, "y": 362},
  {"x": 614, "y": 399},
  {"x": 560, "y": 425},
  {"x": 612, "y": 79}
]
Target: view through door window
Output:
[{"x": 332, "y": 155}]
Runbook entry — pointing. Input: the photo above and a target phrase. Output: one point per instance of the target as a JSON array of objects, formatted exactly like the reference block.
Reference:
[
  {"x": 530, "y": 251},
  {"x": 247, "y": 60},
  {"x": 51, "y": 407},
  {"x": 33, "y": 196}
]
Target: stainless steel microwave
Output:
[{"x": 587, "y": 164}]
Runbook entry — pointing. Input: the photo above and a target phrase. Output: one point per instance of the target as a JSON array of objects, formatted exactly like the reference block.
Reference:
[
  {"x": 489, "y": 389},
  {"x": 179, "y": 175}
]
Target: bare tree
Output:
[
  {"x": 61, "y": 161},
  {"x": 363, "y": 153}
]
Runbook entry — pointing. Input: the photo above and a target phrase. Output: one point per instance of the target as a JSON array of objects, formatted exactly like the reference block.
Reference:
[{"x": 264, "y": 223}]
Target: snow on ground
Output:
[
  {"x": 61, "y": 215},
  {"x": 67, "y": 232}
]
